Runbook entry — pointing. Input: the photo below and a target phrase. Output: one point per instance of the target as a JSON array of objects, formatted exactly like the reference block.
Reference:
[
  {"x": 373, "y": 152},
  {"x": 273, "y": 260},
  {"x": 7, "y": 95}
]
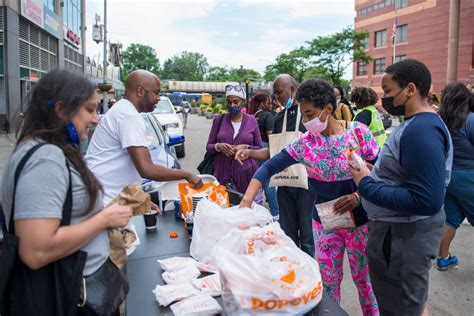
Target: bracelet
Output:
[
  {"x": 215, "y": 147},
  {"x": 358, "y": 198}
]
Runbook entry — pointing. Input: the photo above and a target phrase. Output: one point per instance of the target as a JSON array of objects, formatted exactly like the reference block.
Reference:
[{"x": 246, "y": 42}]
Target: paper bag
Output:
[{"x": 132, "y": 195}]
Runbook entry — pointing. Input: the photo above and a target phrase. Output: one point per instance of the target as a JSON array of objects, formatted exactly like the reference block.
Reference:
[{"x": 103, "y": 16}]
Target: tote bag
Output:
[{"x": 296, "y": 175}]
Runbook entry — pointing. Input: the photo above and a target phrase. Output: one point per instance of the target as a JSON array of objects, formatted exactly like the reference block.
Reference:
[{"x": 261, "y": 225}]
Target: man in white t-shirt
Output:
[{"x": 118, "y": 153}]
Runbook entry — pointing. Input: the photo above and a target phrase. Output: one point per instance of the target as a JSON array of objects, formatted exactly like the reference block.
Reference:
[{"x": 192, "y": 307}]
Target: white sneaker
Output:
[{"x": 276, "y": 218}]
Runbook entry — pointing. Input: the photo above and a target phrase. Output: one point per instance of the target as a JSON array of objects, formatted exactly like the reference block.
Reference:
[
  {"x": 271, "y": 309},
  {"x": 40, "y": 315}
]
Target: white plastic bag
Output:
[
  {"x": 330, "y": 220},
  {"x": 207, "y": 265},
  {"x": 211, "y": 223},
  {"x": 167, "y": 294},
  {"x": 196, "y": 305},
  {"x": 182, "y": 274},
  {"x": 263, "y": 272},
  {"x": 209, "y": 285},
  {"x": 173, "y": 263}
]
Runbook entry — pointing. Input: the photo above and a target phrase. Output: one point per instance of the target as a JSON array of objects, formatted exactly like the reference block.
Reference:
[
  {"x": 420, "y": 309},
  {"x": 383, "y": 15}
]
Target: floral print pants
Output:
[{"x": 330, "y": 246}]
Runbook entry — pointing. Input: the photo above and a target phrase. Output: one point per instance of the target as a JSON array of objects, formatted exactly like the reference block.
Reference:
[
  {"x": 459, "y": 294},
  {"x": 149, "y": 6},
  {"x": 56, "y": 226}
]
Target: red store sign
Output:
[{"x": 73, "y": 37}]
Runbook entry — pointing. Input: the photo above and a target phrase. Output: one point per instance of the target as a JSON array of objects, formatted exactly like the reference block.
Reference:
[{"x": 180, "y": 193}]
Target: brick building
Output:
[{"x": 422, "y": 33}]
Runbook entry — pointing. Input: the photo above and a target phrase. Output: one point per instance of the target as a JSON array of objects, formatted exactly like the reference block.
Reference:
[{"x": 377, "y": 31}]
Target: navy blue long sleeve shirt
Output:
[{"x": 413, "y": 169}]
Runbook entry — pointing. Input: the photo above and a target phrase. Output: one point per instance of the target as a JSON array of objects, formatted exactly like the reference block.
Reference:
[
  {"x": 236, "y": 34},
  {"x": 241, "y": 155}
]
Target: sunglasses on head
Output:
[{"x": 231, "y": 87}]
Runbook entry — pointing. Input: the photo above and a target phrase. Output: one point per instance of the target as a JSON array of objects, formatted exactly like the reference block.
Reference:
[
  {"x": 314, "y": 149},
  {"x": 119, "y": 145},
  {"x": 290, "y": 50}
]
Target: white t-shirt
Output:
[
  {"x": 236, "y": 127},
  {"x": 107, "y": 155}
]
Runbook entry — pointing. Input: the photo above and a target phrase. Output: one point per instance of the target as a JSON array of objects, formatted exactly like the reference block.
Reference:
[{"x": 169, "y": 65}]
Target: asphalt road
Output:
[{"x": 451, "y": 293}]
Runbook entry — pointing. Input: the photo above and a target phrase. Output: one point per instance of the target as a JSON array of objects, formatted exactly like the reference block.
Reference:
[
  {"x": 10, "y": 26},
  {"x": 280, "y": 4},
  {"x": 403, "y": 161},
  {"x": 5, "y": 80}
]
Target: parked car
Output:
[
  {"x": 171, "y": 122},
  {"x": 161, "y": 146}
]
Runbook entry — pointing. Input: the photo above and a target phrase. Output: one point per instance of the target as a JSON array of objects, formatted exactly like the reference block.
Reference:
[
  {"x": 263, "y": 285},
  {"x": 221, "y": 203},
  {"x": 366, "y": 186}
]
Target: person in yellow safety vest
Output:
[{"x": 365, "y": 100}]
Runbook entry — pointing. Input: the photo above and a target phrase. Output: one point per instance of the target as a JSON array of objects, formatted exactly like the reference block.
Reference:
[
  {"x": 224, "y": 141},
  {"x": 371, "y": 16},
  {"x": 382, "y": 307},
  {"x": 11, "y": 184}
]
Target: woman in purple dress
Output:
[{"x": 230, "y": 132}]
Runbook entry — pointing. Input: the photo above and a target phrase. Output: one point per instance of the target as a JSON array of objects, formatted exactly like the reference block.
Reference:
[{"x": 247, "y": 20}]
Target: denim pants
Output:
[
  {"x": 296, "y": 207},
  {"x": 270, "y": 192}
]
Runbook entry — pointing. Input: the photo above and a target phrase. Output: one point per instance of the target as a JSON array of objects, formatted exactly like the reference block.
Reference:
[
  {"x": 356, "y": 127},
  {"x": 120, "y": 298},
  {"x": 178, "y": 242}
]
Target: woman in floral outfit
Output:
[{"x": 322, "y": 151}]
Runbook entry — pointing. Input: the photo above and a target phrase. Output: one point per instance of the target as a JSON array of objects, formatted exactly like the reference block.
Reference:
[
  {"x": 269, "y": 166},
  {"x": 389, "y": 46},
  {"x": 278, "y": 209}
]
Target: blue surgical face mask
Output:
[{"x": 289, "y": 103}]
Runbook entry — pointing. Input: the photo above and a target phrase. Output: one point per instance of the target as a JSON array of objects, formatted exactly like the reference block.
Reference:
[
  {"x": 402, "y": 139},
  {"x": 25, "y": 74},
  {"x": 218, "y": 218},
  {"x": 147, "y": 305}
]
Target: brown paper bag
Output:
[{"x": 132, "y": 195}]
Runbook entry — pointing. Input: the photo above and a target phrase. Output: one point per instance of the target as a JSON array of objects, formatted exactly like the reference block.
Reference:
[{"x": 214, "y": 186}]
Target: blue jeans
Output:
[{"x": 270, "y": 192}]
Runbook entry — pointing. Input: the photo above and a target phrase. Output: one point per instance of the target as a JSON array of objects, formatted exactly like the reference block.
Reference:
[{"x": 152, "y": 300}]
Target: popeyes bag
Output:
[
  {"x": 190, "y": 196},
  {"x": 212, "y": 222},
  {"x": 263, "y": 272}
]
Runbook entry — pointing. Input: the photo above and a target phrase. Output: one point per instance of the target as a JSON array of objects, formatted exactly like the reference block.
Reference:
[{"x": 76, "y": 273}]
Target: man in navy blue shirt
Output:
[{"x": 404, "y": 193}]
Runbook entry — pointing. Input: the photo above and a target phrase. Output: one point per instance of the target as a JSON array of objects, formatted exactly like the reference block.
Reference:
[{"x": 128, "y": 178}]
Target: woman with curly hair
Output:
[
  {"x": 322, "y": 150},
  {"x": 365, "y": 99}
]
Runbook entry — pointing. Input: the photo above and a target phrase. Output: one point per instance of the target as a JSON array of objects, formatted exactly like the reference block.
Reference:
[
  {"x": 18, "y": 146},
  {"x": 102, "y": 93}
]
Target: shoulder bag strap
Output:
[
  {"x": 298, "y": 118},
  {"x": 283, "y": 128},
  {"x": 67, "y": 207},
  {"x": 352, "y": 128}
]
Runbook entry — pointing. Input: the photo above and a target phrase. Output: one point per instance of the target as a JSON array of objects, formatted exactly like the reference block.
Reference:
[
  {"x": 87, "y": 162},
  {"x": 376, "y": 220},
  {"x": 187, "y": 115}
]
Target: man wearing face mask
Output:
[
  {"x": 404, "y": 193},
  {"x": 118, "y": 154},
  {"x": 295, "y": 204},
  {"x": 229, "y": 133},
  {"x": 322, "y": 150}
]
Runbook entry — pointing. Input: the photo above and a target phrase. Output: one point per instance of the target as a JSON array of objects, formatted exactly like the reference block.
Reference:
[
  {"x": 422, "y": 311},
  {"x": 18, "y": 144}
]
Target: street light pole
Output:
[{"x": 104, "y": 70}]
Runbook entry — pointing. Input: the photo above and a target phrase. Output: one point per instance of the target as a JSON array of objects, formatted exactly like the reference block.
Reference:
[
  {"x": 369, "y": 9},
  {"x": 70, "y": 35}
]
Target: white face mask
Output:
[{"x": 315, "y": 126}]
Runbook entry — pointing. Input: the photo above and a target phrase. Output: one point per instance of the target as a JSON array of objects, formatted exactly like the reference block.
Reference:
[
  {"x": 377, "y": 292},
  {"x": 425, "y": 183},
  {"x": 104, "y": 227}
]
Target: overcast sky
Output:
[{"x": 229, "y": 33}]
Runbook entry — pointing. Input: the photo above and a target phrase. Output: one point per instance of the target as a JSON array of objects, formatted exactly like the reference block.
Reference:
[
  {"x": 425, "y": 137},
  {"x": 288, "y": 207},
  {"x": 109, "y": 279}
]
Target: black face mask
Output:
[{"x": 389, "y": 106}]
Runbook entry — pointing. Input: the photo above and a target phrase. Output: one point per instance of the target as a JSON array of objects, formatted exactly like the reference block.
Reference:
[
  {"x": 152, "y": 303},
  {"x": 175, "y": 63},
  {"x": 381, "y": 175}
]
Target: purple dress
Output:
[{"x": 226, "y": 168}]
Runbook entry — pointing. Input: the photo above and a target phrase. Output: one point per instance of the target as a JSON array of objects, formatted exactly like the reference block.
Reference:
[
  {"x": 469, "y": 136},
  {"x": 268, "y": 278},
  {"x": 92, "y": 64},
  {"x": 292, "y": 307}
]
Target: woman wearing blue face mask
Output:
[
  {"x": 322, "y": 151},
  {"x": 230, "y": 132}
]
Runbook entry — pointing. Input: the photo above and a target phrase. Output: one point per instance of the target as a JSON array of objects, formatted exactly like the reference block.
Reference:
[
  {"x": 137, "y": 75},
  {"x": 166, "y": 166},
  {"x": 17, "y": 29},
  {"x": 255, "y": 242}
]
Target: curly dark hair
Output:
[
  {"x": 318, "y": 92},
  {"x": 456, "y": 104},
  {"x": 411, "y": 70},
  {"x": 42, "y": 123},
  {"x": 363, "y": 96}
]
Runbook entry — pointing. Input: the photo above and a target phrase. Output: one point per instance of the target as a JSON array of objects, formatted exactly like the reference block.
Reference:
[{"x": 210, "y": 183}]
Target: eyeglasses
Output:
[{"x": 230, "y": 87}]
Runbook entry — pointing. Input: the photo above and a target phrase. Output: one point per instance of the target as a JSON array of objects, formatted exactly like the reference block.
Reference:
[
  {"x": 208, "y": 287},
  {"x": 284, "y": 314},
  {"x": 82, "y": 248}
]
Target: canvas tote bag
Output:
[{"x": 296, "y": 175}]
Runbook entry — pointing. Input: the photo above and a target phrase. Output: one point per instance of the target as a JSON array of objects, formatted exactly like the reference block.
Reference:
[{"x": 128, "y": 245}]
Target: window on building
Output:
[
  {"x": 400, "y": 4},
  {"x": 361, "y": 68},
  {"x": 365, "y": 42},
  {"x": 400, "y": 58},
  {"x": 73, "y": 16},
  {"x": 380, "y": 38},
  {"x": 402, "y": 34},
  {"x": 379, "y": 66}
]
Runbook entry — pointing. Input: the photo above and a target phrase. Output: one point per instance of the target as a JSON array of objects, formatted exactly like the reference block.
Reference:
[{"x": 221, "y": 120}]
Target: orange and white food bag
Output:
[
  {"x": 189, "y": 197},
  {"x": 263, "y": 272}
]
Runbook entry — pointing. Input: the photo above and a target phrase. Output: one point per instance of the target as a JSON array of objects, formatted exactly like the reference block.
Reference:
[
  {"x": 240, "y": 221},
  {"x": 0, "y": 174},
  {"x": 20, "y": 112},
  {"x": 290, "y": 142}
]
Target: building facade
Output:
[
  {"x": 36, "y": 36},
  {"x": 422, "y": 28}
]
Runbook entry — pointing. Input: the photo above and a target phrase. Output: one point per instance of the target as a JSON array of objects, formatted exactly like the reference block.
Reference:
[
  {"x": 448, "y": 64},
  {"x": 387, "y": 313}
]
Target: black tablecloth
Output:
[{"x": 144, "y": 272}]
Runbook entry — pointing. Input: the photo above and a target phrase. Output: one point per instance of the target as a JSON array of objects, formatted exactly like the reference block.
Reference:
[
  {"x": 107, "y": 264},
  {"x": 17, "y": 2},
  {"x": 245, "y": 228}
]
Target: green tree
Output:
[
  {"x": 336, "y": 52},
  {"x": 186, "y": 66},
  {"x": 241, "y": 74},
  {"x": 138, "y": 56},
  {"x": 294, "y": 63},
  {"x": 217, "y": 73}
]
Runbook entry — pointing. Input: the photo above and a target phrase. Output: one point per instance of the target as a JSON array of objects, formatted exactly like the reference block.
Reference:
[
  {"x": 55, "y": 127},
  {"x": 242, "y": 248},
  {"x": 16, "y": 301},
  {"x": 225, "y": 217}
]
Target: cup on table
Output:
[{"x": 150, "y": 219}]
